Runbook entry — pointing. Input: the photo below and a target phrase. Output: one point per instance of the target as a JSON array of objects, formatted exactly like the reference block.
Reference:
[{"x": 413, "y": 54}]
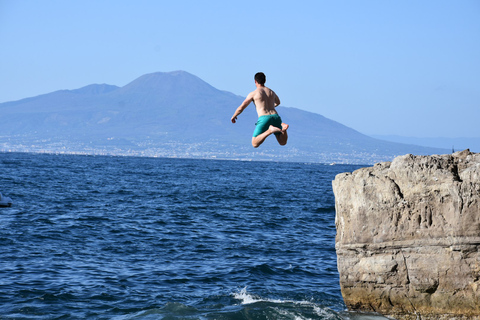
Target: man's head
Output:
[{"x": 260, "y": 78}]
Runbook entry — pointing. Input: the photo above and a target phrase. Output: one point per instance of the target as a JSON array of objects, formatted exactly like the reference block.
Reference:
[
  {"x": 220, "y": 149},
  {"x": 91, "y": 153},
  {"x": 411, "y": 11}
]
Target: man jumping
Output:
[{"x": 265, "y": 101}]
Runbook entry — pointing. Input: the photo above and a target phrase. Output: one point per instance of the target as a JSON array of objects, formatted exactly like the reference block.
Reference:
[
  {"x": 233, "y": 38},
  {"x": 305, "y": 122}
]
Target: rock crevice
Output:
[{"x": 408, "y": 236}]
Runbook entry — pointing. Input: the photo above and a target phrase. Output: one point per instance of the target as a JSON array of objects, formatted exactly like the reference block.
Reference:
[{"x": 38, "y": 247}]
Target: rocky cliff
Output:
[{"x": 408, "y": 237}]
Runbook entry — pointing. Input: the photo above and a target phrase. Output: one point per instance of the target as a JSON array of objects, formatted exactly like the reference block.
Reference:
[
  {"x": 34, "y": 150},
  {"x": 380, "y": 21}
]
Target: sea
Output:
[{"x": 105, "y": 237}]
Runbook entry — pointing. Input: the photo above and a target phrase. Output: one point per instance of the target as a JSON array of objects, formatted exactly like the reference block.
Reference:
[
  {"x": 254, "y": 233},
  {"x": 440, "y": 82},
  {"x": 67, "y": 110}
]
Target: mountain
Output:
[{"x": 176, "y": 114}]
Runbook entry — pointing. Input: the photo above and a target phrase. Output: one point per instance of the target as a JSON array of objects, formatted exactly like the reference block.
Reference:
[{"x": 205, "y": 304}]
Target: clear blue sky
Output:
[{"x": 409, "y": 67}]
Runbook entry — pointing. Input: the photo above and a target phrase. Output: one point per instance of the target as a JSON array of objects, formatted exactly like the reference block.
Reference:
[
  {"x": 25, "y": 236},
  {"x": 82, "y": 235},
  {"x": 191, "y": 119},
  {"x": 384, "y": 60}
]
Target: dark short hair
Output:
[{"x": 260, "y": 78}]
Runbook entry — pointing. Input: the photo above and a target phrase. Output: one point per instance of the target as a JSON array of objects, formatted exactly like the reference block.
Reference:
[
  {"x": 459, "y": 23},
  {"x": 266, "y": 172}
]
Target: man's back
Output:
[{"x": 265, "y": 101}]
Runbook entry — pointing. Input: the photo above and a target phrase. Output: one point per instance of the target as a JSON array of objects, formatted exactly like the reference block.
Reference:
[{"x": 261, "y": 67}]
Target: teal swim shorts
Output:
[{"x": 264, "y": 122}]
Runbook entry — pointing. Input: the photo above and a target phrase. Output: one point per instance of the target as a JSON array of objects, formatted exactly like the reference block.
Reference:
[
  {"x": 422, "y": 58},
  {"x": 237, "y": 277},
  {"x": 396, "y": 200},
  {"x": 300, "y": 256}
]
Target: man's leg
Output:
[
  {"x": 283, "y": 136},
  {"x": 258, "y": 140}
]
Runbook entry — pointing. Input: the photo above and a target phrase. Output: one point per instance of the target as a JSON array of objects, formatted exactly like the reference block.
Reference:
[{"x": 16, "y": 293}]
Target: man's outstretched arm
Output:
[{"x": 242, "y": 107}]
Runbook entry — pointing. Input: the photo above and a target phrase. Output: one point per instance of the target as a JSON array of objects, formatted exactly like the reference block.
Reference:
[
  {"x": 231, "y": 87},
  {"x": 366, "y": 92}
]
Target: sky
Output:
[{"x": 408, "y": 68}]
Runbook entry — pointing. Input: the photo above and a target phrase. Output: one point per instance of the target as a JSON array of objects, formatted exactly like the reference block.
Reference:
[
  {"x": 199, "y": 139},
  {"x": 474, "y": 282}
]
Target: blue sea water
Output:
[{"x": 97, "y": 237}]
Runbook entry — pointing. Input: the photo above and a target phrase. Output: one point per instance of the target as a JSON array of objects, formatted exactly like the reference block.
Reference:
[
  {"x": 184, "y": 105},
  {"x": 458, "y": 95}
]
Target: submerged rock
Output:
[{"x": 408, "y": 237}]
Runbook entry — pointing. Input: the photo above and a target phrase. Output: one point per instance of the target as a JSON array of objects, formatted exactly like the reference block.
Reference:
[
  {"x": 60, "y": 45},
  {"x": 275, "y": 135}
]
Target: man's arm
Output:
[
  {"x": 277, "y": 100},
  {"x": 242, "y": 107}
]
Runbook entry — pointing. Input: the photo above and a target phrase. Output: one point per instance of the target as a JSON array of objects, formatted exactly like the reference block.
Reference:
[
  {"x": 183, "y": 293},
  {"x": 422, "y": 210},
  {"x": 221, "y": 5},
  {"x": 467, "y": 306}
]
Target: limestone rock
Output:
[{"x": 408, "y": 237}]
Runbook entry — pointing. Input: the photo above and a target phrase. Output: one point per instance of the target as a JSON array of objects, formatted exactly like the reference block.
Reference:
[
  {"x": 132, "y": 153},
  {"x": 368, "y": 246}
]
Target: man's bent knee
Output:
[{"x": 282, "y": 139}]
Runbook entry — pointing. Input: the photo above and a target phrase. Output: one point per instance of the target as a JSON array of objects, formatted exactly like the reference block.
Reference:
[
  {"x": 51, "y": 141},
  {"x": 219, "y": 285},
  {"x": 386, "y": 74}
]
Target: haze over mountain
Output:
[{"x": 176, "y": 114}]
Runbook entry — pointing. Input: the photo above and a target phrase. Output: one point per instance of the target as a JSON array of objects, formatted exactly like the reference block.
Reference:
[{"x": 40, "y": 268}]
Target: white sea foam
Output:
[
  {"x": 248, "y": 298},
  {"x": 324, "y": 312}
]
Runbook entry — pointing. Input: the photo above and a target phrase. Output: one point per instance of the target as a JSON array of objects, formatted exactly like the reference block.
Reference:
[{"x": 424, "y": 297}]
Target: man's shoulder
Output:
[{"x": 255, "y": 92}]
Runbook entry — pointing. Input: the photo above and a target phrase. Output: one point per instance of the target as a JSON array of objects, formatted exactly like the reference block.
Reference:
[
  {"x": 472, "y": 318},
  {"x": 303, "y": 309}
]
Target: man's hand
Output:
[{"x": 234, "y": 119}]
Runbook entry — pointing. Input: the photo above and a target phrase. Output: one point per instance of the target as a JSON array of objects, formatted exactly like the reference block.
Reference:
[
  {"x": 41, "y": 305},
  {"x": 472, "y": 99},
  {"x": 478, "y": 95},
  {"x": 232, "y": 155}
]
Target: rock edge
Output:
[{"x": 408, "y": 237}]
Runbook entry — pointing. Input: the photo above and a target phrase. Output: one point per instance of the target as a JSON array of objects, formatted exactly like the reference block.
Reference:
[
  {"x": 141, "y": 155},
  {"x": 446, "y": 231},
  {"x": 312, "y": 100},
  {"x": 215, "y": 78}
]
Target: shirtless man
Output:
[{"x": 269, "y": 121}]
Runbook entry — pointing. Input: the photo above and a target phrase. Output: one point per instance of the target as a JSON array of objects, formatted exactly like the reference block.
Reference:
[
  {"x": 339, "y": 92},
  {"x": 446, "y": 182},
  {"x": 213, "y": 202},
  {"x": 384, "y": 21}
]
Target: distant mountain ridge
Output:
[
  {"x": 455, "y": 144},
  {"x": 95, "y": 89},
  {"x": 176, "y": 114}
]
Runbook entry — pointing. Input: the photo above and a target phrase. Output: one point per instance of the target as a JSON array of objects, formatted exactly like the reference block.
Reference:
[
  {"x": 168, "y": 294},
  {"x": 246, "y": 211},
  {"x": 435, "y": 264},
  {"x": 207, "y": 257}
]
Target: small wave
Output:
[
  {"x": 289, "y": 308},
  {"x": 247, "y": 298},
  {"x": 262, "y": 269}
]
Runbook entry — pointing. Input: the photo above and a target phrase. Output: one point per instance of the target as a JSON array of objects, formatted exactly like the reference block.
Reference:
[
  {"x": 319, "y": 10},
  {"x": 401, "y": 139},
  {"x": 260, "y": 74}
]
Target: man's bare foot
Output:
[
  {"x": 274, "y": 129},
  {"x": 284, "y": 127}
]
